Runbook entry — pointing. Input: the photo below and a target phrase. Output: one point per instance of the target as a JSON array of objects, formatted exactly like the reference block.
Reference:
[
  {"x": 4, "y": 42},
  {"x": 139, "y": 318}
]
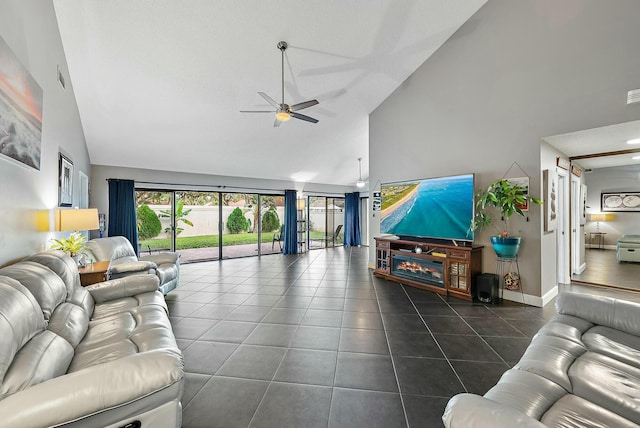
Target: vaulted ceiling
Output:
[{"x": 159, "y": 84}]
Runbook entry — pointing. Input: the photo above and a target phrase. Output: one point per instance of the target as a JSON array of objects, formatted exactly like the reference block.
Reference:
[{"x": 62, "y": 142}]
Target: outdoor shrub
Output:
[
  {"x": 270, "y": 220},
  {"x": 236, "y": 222},
  {"x": 148, "y": 223}
]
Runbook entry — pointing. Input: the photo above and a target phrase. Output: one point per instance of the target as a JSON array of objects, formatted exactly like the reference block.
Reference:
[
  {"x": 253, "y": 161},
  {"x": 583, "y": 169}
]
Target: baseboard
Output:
[
  {"x": 517, "y": 296},
  {"x": 581, "y": 268},
  {"x": 549, "y": 295},
  {"x": 605, "y": 247}
]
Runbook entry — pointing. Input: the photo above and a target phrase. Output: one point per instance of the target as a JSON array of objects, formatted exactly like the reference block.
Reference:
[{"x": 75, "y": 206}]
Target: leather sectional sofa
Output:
[
  {"x": 582, "y": 369},
  {"x": 100, "y": 356},
  {"x": 124, "y": 261}
]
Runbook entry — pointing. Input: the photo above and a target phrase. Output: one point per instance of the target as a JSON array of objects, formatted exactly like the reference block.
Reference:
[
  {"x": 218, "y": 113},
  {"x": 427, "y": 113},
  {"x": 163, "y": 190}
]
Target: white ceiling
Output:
[
  {"x": 159, "y": 84},
  {"x": 606, "y": 139}
]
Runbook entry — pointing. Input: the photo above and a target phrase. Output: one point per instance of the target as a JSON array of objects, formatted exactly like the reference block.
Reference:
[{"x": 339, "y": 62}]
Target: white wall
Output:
[
  {"x": 614, "y": 179},
  {"x": 202, "y": 182},
  {"x": 516, "y": 72},
  {"x": 30, "y": 29}
]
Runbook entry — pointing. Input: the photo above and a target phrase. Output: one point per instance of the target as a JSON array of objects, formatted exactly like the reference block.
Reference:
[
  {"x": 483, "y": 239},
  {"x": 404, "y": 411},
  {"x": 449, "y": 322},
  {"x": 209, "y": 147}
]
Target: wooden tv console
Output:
[{"x": 442, "y": 268}]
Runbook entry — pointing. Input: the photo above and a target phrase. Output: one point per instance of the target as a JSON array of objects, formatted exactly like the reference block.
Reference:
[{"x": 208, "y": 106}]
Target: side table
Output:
[
  {"x": 599, "y": 239},
  {"x": 94, "y": 273}
]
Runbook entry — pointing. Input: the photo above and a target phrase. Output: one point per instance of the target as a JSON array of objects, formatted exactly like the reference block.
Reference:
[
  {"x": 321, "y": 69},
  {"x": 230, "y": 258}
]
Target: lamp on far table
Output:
[
  {"x": 601, "y": 217},
  {"x": 76, "y": 220}
]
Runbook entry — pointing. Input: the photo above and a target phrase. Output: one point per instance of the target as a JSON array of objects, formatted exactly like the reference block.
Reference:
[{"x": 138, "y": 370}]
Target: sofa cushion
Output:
[
  {"x": 70, "y": 322},
  {"x": 573, "y": 411},
  {"x": 123, "y": 333},
  {"x": 44, "y": 357},
  {"x": 607, "y": 311},
  {"x": 551, "y": 357},
  {"x": 20, "y": 320},
  {"x": 112, "y": 248},
  {"x": 65, "y": 267},
  {"x": 611, "y": 384},
  {"x": 616, "y": 344},
  {"x": 527, "y": 392},
  {"x": 45, "y": 285}
]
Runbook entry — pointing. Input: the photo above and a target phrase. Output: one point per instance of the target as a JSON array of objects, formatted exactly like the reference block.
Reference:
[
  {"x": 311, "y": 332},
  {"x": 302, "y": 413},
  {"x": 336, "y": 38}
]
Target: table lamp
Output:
[
  {"x": 76, "y": 220},
  {"x": 600, "y": 217}
]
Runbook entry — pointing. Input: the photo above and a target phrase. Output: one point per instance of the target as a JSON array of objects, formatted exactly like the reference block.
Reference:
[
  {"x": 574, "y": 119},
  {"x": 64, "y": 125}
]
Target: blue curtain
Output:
[
  {"x": 290, "y": 223},
  {"x": 352, "y": 236},
  {"x": 122, "y": 210}
]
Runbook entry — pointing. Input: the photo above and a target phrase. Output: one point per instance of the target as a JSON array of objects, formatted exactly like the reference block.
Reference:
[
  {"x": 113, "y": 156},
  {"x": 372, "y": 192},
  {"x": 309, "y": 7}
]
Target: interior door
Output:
[{"x": 563, "y": 231}]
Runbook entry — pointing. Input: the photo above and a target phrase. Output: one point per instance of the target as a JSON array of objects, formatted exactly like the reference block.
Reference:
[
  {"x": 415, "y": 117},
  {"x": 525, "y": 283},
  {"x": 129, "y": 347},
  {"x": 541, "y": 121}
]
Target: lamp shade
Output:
[
  {"x": 76, "y": 219},
  {"x": 300, "y": 204},
  {"x": 601, "y": 217}
]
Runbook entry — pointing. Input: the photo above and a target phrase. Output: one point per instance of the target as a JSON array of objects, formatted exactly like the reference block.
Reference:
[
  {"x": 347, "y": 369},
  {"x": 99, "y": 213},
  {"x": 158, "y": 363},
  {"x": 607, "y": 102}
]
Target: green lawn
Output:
[
  {"x": 204, "y": 241},
  {"x": 183, "y": 243}
]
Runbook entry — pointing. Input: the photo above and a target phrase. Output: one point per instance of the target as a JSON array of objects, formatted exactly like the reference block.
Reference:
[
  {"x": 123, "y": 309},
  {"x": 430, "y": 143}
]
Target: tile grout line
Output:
[{"x": 393, "y": 362}]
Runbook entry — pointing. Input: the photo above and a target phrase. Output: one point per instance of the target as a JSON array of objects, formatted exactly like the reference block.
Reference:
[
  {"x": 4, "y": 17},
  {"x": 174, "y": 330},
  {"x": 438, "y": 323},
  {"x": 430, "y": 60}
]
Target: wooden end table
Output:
[{"x": 94, "y": 273}]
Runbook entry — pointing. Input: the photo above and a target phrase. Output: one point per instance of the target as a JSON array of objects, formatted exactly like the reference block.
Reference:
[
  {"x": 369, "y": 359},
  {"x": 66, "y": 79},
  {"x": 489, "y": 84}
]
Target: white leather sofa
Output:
[
  {"x": 582, "y": 369},
  {"x": 100, "y": 356},
  {"x": 124, "y": 261}
]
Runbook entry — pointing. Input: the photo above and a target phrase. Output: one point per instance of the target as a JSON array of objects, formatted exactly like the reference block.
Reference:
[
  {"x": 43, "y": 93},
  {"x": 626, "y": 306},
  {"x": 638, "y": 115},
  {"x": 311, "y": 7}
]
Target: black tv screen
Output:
[{"x": 440, "y": 208}]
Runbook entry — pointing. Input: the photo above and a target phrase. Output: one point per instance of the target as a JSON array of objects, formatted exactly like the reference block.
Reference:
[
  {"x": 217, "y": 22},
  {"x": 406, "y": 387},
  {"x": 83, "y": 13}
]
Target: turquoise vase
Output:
[{"x": 507, "y": 248}]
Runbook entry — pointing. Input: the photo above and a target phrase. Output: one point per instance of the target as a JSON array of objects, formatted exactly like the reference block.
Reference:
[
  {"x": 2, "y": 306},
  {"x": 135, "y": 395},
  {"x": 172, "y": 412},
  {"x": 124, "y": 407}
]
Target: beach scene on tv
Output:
[{"x": 434, "y": 208}]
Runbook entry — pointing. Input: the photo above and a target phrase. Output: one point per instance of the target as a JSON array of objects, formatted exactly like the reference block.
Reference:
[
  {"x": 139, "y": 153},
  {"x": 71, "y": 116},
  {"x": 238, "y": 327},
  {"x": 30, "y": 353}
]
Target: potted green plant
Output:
[
  {"x": 73, "y": 245},
  {"x": 508, "y": 198}
]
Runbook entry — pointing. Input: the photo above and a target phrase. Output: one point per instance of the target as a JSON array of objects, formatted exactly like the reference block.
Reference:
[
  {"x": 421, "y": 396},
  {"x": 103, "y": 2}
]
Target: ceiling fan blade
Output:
[
  {"x": 303, "y": 117},
  {"x": 257, "y": 111},
  {"x": 305, "y": 104},
  {"x": 276, "y": 123},
  {"x": 269, "y": 100}
]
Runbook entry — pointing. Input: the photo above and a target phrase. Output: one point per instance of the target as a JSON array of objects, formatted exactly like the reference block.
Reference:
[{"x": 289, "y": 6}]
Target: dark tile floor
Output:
[{"x": 316, "y": 340}]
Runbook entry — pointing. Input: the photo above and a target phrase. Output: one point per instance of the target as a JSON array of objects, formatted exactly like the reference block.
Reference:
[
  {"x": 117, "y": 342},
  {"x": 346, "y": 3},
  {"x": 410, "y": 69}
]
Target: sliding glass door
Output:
[
  {"x": 155, "y": 221},
  {"x": 209, "y": 225},
  {"x": 196, "y": 218},
  {"x": 326, "y": 222}
]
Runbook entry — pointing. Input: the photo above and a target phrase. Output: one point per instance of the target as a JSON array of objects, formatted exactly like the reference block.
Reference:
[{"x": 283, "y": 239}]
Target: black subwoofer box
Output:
[{"x": 486, "y": 288}]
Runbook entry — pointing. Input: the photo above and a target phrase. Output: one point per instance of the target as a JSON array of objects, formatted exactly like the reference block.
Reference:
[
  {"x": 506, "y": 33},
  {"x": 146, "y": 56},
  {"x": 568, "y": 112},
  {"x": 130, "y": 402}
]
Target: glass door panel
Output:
[
  {"x": 335, "y": 221},
  {"x": 317, "y": 222},
  {"x": 240, "y": 212},
  {"x": 155, "y": 221},
  {"x": 271, "y": 224},
  {"x": 196, "y": 226}
]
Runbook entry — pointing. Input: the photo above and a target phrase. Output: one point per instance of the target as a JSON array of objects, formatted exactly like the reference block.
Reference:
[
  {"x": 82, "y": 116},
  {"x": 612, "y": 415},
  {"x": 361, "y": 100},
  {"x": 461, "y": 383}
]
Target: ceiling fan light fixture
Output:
[
  {"x": 283, "y": 116},
  {"x": 634, "y": 141},
  {"x": 359, "y": 183}
]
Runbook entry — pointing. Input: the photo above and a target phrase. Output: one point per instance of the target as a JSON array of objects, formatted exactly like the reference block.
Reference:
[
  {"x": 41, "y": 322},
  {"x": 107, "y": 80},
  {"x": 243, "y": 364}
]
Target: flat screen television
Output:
[{"x": 438, "y": 208}]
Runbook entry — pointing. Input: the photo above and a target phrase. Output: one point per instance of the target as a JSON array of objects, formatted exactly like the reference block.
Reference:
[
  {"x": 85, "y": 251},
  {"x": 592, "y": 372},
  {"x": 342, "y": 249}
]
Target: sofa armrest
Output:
[
  {"x": 132, "y": 267},
  {"x": 470, "y": 411},
  {"x": 93, "y": 390},
  {"x": 127, "y": 286},
  {"x": 161, "y": 258}
]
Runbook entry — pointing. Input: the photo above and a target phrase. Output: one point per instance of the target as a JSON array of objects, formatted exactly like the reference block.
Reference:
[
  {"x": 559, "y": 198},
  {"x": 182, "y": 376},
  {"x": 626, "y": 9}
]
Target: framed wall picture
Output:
[
  {"x": 550, "y": 185},
  {"x": 524, "y": 182},
  {"x": 622, "y": 201},
  {"x": 65, "y": 181},
  {"x": 20, "y": 111}
]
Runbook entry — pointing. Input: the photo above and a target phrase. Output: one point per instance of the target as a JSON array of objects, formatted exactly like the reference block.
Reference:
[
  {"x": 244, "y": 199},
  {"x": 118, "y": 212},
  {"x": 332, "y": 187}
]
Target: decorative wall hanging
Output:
[
  {"x": 20, "y": 110},
  {"x": 583, "y": 204},
  {"x": 65, "y": 181},
  {"x": 550, "y": 185},
  {"x": 623, "y": 201}
]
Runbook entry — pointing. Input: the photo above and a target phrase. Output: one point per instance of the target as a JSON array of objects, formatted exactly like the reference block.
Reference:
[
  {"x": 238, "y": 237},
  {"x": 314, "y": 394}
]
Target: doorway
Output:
[{"x": 563, "y": 232}]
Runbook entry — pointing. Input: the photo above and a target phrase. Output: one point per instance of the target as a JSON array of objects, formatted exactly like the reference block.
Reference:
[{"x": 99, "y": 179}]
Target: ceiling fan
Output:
[{"x": 284, "y": 111}]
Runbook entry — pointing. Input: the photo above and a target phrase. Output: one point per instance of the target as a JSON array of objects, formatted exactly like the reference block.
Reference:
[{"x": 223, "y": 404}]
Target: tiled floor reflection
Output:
[{"x": 316, "y": 340}]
